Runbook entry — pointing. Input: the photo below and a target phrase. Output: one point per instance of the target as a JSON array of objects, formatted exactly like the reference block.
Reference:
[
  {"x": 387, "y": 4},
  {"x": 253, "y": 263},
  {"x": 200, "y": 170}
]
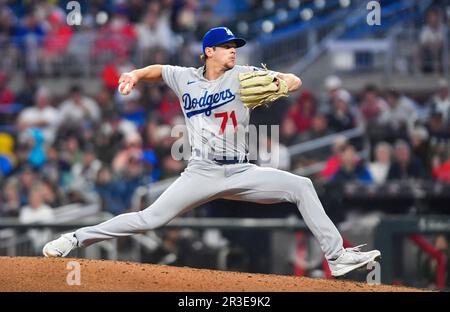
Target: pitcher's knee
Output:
[
  {"x": 303, "y": 185},
  {"x": 306, "y": 182}
]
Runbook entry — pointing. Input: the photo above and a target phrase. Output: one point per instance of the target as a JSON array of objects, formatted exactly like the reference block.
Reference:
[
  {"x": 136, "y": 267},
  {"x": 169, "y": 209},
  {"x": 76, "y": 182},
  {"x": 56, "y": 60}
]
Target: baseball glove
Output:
[{"x": 261, "y": 87}]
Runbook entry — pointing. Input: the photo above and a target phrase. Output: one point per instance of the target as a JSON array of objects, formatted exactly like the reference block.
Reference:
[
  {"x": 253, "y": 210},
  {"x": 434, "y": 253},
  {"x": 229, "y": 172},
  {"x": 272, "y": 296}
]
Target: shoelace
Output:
[{"x": 356, "y": 248}]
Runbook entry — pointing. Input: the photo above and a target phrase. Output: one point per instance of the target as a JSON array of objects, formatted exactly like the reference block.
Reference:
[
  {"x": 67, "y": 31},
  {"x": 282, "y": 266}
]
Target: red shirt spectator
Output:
[
  {"x": 333, "y": 163},
  {"x": 442, "y": 172},
  {"x": 169, "y": 107},
  {"x": 118, "y": 37},
  {"x": 58, "y": 38},
  {"x": 110, "y": 76},
  {"x": 303, "y": 112},
  {"x": 6, "y": 95}
]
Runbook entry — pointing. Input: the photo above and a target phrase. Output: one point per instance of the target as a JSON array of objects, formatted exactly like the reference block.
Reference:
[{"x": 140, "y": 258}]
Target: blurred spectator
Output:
[
  {"x": 352, "y": 169},
  {"x": 380, "y": 167},
  {"x": 111, "y": 72},
  {"x": 341, "y": 117},
  {"x": 151, "y": 133},
  {"x": 27, "y": 96},
  {"x": 441, "y": 172},
  {"x": 55, "y": 44},
  {"x": 169, "y": 166},
  {"x": 117, "y": 37},
  {"x": 29, "y": 36},
  {"x": 169, "y": 108},
  {"x": 32, "y": 141},
  {"x": 84, "y": 174},
  {"x": 51, "y": 193},
  {"x": 6, "y": 166},
  {"x": 7, "y": 22},
  {"x": 206, "y": 20},
  {"x": 332, "y": 85},
  {"x": 405, "y": 166},
  {"x": 288, "y": 132},
  {"x": 35, "y": 212},
  {"x": 105, "y": 188},
  {"x": 11, "y": 56},
  {"x": 116, "y": 193},
  {"x": 111, "y": 133},
  {"x": 27, "y": 177},
  {"x": 373, "y": 107},
  {"x": 153, "y": 32},
  {"x": 7, "y": 96},
  {"x": 440, "y": 102},
  {"x": 319, "y": 128},
  {"x": 132, "y": 148},
  {"x": 431, "y": 41},
  {"x": 150, "y": 164},
  {"x": 105, "y": 103},
  {"x": 135, "y": 10},
  {"x": 302, "y": 112},
  {"x": 402, "y": 114},
  {"x": 132, "y": 108},
  {"x": 375, "y": 114},
  {"x": 437, "y": 129},
  {"x": 186, "y": 21},
  {"x": 78, "y": 109},
  {"x": 420, "y": 145},
  {"x": 30, "y": 30},
  {"x": 56, "y": 170},
  {"x": 42, "y": 116},
  {"x": 152, "y": 96},
  {"x": 7, "y": 156},
  {"x": 70, "y": 150},
  {"x": 10, "y": 202},
  {"x": 333, "y": 163}
]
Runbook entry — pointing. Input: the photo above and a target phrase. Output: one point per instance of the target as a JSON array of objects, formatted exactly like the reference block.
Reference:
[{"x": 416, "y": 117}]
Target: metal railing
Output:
[{"x": 324, "y": 141}]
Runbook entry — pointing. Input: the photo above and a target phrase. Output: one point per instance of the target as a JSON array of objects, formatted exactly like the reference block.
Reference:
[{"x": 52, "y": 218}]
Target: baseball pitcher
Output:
[{"x": 216, "y": 100}]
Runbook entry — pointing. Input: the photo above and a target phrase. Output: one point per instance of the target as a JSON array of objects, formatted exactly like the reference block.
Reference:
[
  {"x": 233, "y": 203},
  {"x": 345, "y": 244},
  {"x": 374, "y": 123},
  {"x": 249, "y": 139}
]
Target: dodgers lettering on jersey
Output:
[
  {"x": 207, "y": 103},
  {"x": 216, "y": 120}
]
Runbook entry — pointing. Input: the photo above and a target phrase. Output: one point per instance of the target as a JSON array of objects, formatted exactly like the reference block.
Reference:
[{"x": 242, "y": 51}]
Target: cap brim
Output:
[{"x": 239, "y": 42}]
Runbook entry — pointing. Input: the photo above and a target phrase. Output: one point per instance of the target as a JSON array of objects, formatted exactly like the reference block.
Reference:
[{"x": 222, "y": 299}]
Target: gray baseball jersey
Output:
[
  {"x": 217, "y": 122},
  {"x": 216, "y": 119}
]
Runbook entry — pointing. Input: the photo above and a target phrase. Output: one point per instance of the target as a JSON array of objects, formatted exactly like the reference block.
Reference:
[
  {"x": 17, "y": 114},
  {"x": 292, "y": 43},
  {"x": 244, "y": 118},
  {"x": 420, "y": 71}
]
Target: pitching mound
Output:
[{"x": 49, "y": 274}]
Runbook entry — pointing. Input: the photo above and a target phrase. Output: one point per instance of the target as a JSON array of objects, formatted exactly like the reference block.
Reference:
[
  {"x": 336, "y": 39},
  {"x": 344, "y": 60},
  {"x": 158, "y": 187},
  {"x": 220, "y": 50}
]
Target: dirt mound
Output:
[{"x": 49, "y": 274}]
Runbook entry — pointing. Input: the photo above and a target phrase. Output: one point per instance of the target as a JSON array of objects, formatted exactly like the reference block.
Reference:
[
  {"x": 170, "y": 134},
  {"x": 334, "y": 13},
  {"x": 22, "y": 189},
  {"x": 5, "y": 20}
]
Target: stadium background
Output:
[{"x": 370, "y": 126}]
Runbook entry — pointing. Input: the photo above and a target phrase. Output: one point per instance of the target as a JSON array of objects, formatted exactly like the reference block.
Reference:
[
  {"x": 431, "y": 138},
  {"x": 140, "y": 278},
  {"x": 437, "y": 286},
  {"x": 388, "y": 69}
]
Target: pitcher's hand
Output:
[{"x": 127, "y": 82}]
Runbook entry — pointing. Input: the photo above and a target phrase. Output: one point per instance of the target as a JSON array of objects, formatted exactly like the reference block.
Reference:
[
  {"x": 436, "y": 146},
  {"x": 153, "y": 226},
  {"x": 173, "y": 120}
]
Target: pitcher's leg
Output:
[
  {"x": 187, "y": 192},
  {"x": 268, "y": 185}
]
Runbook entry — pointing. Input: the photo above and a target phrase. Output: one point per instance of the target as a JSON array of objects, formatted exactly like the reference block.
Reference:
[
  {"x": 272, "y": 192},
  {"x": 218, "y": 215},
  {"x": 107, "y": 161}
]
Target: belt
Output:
[
  {"x": 230, "y": 161},
  {"x": 222, "y": 160}
]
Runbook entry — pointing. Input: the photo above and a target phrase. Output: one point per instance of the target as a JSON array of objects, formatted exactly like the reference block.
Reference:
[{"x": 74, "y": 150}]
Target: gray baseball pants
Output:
[{"x": 203, "y": 181}]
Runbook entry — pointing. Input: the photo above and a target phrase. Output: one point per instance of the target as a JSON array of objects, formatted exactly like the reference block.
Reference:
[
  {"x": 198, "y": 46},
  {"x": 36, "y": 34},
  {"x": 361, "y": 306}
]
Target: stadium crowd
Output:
[{"x": 56, "y": 149}]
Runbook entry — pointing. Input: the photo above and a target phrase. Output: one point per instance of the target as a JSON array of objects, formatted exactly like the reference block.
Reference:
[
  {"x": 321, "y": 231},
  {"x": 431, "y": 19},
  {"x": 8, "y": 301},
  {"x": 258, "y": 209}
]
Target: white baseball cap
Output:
[
  {"x": 333, "y": 82},
  {"x": 344, "y": 95}
]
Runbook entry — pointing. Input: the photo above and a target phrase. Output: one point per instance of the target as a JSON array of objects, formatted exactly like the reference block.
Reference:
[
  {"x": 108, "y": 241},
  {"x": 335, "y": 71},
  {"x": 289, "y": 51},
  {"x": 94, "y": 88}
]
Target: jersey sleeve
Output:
[{"x": 172, "y": 76}]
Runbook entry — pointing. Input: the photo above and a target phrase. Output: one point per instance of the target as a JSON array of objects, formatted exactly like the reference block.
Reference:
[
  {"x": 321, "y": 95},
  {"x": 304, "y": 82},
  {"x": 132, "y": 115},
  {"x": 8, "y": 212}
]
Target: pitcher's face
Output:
[{"x": 225, "y": 55}]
